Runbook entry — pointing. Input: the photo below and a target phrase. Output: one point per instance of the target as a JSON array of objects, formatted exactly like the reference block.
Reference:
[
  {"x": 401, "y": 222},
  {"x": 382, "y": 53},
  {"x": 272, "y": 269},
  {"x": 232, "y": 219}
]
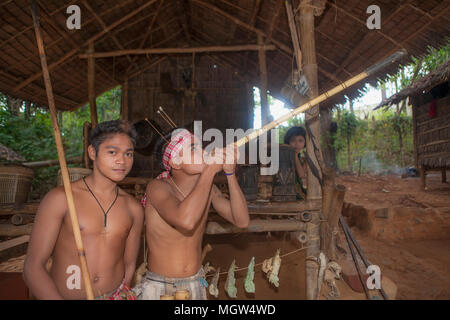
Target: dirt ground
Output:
[{"x": 419, "y": 267}]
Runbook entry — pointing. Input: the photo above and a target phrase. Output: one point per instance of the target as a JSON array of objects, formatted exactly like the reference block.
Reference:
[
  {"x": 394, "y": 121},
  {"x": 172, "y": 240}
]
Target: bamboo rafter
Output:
[
  {"x": 117, "y": 53},
  {"x": 92, "y": 39}
]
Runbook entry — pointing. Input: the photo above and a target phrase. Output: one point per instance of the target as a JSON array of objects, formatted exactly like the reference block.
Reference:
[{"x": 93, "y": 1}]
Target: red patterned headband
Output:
[{"x": 172, "y": 149}]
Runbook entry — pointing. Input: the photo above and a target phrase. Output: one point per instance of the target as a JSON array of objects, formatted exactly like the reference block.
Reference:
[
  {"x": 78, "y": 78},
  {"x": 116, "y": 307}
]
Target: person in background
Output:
[{"x": 296, "y": 138}]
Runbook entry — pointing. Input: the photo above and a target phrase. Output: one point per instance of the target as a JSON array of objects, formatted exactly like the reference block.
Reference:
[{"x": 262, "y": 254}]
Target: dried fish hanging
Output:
[
  {"x": 207, "y": 268},
  {"x": 271, "y": 267},
  {"x": 214, "y": 285},
  {"x": 322, "y": 266},
  {"x": 230, "y": 284},
  {"x": 249, "y": 285},
  {"x": 333, "y": 272}
]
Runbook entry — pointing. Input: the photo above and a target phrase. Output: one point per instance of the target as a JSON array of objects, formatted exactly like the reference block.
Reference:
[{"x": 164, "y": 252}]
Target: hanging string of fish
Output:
[{"x": 271, "y": 267}]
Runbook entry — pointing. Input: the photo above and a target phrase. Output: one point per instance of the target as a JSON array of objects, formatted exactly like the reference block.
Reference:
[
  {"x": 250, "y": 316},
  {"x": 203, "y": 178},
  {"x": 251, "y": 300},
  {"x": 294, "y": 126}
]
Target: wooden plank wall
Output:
[
  {"x": 218, "y": 98},
  {"x": 432, "y": 134}
]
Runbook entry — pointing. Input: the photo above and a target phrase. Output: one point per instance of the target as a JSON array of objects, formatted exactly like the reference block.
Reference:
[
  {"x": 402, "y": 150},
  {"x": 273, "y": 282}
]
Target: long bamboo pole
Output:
[
  {"x": 324, "y": 96},
  {"x": 61, "y": 156}
]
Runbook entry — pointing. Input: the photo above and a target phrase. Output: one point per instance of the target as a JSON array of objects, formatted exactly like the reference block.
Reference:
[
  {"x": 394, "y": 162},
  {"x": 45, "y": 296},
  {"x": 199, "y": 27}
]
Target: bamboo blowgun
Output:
[
  {"x": 61, "y": 156},
  {"x": 324, "y": 96}
]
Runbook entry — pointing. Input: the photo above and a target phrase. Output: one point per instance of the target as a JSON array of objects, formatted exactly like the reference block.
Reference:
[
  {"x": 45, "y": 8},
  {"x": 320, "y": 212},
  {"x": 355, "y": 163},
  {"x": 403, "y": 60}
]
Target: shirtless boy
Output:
[
  {"x": 110, "y": 222},
  {"x": 176, "y": 211}
]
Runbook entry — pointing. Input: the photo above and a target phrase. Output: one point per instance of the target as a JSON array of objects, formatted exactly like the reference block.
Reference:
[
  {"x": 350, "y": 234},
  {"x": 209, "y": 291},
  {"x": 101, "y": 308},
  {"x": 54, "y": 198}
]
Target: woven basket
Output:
[
  {"x": 74, "y": 174},
  {"x": 15, "y": 184}
]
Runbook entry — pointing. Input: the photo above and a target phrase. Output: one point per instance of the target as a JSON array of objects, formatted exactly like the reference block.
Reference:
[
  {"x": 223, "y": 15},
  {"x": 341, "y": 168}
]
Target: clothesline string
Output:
[{"x": 261, "y": 263}]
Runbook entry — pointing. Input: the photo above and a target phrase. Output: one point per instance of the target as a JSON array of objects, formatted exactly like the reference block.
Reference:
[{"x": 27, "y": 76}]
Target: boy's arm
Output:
[
  {"x": 47, "y": 225},
  {"x": 133, "y": 240},
  {"x": 234, "y": 210},
  {"x": 182, "y": 215}
]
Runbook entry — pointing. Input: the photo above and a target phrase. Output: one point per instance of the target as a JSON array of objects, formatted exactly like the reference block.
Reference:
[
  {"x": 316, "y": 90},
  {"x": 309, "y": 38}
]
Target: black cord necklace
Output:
[{"x": 107, "y": 211}]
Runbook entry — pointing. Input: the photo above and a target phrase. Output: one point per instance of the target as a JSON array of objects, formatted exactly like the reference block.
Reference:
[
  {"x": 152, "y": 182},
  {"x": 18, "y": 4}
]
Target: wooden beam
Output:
[
  {"x": 255, "y": 225},
  {"x": 355, "y": 51},
  {"x": 64, "y": 7},
  {"x": 252, "y": 23},
  {"x": 182, "y": 17},
  {"x": 9, "y": 230},
  {"x": 247, "y": 47},
  {"x": 265, "y": 111},
  {"x": 72, "y": 53},
  {"x": 279, "y": 44},
  {"x": 294, "y": 36},
  {"x": 396, "y": 43},
  {"x": 228, "y": 62},
  {"x": 143, "y": 69},
  {"x": 91, "y": 86},
  {"x": 124, "y": 109},
  {"x": 146, "y": 35},
  {"x": 50, "y": 163},
  {"x": 4, "y": 245},
  {"x": 12, "y": 209},
  {"x": 308, "y": 47},
  {"x": 274, "y": 20},
  {"x": 167, "y": 39},
  {"x": 103, "y": 25}
]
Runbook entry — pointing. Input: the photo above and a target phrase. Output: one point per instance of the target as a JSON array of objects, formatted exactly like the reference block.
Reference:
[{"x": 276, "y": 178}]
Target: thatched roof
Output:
[
  {"x": 344, "y": 44},
  {"x": 439, "y": 75}
]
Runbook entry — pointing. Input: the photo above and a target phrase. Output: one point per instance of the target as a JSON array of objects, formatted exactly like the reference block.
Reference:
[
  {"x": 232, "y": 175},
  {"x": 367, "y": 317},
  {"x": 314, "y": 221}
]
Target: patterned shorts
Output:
[
  {"x": 154, "y": 285},
  {"x": 123, "y": 292}
]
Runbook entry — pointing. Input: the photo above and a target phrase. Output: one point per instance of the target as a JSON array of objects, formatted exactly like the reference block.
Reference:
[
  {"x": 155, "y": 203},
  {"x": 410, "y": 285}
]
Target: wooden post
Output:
[
  {"x": 193, "y": 93},
  {"x": 86, "y": 130},
  {"x": 294, "y": 36},
  {"x": 414, "y": 127},
  {"x": 124, "y": 111},
  {"x": 91, "y": 86},
  {"x": 333, "y": 219},
  {"x": 265, "y": 112},
  {"x": 327, "y": 196},
  {"x": 62, "y": 158},
  {"x": 423, "y": 173},
  {"x": 444, "y": 175},
  {"x": 305, "y": 24}
]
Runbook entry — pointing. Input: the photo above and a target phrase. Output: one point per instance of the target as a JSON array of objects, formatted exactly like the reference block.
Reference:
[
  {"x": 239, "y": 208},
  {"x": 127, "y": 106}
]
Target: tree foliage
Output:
[{"x": 30, "y": 133}]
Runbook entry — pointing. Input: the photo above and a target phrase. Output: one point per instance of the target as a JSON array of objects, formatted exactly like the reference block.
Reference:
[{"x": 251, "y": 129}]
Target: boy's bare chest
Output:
[{"x": 94, "y": 219}]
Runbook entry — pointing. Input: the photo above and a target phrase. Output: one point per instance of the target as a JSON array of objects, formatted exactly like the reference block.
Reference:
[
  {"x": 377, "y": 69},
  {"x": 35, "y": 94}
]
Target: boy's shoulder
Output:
[
  {"x": 131, "y": 201},
  {"x": 159, "y": 185},
  {"x": 55, "y": 194}
]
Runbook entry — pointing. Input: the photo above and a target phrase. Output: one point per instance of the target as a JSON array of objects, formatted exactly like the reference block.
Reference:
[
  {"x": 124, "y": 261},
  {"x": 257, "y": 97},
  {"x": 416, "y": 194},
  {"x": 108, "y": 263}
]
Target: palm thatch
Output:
[
  {"x": 9, "y": 154},
  {"x": 439, "y": 75},
  {"x": 344, "y": 44}
]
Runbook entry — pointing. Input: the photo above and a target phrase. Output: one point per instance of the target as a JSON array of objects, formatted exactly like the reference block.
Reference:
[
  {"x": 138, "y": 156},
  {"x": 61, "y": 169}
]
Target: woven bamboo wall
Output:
[
  {"x": 432, "y": 134},
  {"x": 217, "y": 97}
]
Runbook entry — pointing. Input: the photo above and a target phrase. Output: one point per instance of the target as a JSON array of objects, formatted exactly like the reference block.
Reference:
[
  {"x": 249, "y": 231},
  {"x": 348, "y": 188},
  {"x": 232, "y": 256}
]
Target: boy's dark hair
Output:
[
  {"x": 161, "y": 145},
  {"x": 105, "y": 130},
  {"x": 293, "y": 132}
]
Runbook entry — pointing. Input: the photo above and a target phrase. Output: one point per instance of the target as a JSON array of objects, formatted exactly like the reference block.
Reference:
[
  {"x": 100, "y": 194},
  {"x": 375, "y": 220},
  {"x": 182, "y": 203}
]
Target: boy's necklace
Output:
[
  {"x": 178, "y": 188},
  {"x": 98, "y": 202}
]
